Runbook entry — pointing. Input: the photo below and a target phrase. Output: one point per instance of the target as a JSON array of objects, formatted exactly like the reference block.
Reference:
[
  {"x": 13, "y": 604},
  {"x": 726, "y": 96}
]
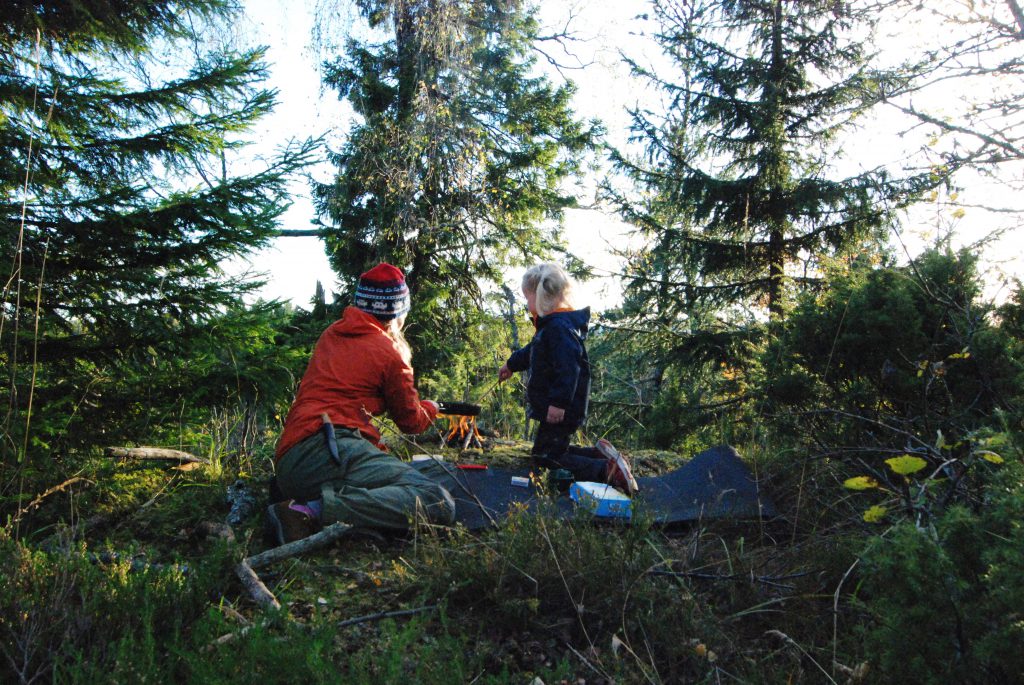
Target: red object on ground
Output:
[{"x": 471, "y": 467}]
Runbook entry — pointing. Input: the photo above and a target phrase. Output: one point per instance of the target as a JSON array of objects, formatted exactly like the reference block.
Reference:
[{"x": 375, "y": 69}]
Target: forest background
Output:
[{"x": 811, "y": 200}]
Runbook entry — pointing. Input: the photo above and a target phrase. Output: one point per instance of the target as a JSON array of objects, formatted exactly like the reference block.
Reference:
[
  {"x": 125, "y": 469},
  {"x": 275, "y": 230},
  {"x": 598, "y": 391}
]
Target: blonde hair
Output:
[
  {"x": 393, "y": 327},
  {"x": 551, "y": 284}
]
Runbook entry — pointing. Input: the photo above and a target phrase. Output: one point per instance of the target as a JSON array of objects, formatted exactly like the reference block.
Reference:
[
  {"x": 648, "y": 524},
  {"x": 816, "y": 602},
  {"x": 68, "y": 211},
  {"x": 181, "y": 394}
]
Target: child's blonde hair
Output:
[{"x": 551, "y": 284}]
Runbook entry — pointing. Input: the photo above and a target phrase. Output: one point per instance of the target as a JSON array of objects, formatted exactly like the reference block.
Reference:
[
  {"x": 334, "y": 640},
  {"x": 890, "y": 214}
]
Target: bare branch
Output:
[
  {"x": 299, "y": 233},
  {"x": 386, "y": 614},
  {"x": 257, "y": 590},
  {"x": 324, "y": 537},
  {"x": 1006, "y": 146}
]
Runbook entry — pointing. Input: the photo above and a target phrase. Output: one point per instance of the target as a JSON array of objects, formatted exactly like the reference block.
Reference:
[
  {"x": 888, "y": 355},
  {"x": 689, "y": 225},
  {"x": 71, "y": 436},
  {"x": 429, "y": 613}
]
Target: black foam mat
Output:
[{"x": 714, "y": 484}]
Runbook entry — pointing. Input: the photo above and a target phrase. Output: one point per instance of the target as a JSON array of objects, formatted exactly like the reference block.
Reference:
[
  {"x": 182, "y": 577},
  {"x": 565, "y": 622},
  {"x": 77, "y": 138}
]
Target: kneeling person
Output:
[{"x": 360, "y": 368}]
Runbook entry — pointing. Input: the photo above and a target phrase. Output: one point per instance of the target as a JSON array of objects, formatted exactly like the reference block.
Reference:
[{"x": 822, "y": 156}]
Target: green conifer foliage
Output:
[
  {"x": 456, "y": 166},
  {"x": 740, "y": 185},
  {"x": 117, "y": 203},
  {"x": 888, "y": 355}
]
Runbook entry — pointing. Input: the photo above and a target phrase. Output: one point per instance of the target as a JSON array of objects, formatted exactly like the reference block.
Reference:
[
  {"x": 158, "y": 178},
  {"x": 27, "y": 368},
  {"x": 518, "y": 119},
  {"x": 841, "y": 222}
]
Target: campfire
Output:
[{"x": 461, "y": 418}]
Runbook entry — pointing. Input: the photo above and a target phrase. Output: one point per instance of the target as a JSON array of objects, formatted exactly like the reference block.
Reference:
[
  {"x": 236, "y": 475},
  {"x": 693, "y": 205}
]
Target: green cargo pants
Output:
[{"x": 370, "y": 489}]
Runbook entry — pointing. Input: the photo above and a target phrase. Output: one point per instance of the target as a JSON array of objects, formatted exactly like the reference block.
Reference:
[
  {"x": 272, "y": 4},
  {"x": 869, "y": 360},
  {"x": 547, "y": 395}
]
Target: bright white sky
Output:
[{"x": 293, "y": 265}]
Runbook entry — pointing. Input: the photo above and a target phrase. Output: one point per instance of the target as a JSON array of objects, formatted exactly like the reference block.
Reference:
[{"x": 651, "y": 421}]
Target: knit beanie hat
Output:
[{"x": 382, "y": 291}]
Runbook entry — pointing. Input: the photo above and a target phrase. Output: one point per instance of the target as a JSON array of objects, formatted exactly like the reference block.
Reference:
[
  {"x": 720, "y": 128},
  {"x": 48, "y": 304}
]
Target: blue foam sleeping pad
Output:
[{"x": 714, "y": 484}]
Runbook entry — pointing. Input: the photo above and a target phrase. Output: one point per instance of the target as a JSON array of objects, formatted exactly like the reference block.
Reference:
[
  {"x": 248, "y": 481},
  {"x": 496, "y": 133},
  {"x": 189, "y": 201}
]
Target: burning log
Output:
[{"x": 462, "y": 430}]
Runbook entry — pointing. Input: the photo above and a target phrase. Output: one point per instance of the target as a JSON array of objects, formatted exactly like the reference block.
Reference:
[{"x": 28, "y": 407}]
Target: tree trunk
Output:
[
  {"x": 1018, "y": 15},
  {"x": 776, "y": 171}
]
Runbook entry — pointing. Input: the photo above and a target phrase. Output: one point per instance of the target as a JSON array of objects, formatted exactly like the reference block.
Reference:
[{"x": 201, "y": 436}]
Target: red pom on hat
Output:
[{"x": 383, "y": 273}]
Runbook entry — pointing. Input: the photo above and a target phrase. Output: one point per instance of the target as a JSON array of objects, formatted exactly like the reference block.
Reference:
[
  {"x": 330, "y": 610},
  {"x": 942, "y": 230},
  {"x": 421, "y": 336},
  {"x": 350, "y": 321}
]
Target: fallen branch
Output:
[
  {"x": 765, "y": 580},
  {"x": 257, "y": 590},
  {"x": 385, "y": 614},
  {"x": 291, "y": 549},
  {"x": 233, "y": 614},
  {"x": 157, "y": 453},
  {"x": 246, "y": 573},
  {"x": 55, "y": 489}
]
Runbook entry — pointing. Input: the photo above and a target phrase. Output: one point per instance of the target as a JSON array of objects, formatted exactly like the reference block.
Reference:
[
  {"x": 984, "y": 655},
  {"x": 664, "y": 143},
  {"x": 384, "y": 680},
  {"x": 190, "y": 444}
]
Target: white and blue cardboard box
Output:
[{"x": 601, "y": 499}]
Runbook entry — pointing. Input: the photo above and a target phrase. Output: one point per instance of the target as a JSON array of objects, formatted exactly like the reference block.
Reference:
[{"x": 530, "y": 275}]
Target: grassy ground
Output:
[{"x": 562, "y": 601}]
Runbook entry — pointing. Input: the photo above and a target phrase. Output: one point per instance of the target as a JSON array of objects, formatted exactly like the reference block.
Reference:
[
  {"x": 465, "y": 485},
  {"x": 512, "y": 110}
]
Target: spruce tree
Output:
[
  {"x": 740, "y": 170},
  {"x": 457, "y": 165},
  {"x": 117, "y": 132}
]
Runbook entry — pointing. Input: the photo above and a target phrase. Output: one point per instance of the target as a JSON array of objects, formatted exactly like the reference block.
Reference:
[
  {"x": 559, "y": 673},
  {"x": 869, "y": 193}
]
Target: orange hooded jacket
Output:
[{"x": 356, "y": 372}]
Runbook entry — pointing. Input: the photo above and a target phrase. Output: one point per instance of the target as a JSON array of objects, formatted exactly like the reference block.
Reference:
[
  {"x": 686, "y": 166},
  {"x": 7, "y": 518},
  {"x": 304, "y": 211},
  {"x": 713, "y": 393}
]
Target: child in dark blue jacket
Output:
[{"x": 559, "y": 386}]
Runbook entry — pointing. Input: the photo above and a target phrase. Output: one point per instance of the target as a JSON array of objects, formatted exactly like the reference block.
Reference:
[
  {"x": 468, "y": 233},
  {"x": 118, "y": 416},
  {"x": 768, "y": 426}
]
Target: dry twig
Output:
[
  {"x": 386, "y": 614},
  {"x": 51, "y": 491}
]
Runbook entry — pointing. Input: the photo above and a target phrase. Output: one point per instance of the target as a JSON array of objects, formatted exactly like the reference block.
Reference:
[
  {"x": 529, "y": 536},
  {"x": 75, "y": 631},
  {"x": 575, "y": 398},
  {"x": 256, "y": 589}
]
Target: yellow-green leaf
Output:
[
  {"x": 860, "y": 483},
  {"x": 995, "y": 440},
  {"x": 875, "y": 514},
  {"x": 990, "y": 456},
  {"x": 906, "y": 464}
]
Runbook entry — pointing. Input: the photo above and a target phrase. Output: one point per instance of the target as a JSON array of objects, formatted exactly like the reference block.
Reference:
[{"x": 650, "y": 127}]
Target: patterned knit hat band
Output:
[{"x": 382, "y": 291}]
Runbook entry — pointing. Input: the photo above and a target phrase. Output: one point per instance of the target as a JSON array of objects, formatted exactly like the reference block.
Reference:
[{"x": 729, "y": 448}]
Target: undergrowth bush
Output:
[
  {"x": 945, "y": 604},
  {"x": 64, "y": 617},
  {"x": 887, "y": 357},
  {"x": 431, "y": 651},
  {"x": 266, "y": 652},
  {"x": 591, "y": 585},
  {"x": 900, "y": 377}
]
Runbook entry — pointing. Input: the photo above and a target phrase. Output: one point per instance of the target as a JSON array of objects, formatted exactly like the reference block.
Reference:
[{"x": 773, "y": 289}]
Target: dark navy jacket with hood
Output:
[{"x": 558, "y": 364}]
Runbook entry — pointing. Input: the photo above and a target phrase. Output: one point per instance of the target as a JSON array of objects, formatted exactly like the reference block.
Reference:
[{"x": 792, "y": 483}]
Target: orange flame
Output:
[{"x": 463, "y": 429}]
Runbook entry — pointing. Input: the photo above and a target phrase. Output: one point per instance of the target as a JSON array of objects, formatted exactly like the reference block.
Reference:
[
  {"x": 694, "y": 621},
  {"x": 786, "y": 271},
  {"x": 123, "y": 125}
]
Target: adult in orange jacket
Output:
[{"x": 360, "y": 368}]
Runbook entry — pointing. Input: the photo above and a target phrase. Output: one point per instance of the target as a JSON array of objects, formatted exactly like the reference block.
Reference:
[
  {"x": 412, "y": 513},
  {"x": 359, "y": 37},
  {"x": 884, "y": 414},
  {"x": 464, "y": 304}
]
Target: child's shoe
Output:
[{"x": 619, "y": 473}]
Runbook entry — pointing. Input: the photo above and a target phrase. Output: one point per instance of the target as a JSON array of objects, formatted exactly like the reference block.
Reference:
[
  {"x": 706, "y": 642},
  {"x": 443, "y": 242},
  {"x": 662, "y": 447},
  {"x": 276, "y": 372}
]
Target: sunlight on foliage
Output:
[
  {"x": 906, "y": 464},
  {"x": 875, "y": 514},
  {"x": 990, "y": 456},
  {"x": 860, "y": 483}
]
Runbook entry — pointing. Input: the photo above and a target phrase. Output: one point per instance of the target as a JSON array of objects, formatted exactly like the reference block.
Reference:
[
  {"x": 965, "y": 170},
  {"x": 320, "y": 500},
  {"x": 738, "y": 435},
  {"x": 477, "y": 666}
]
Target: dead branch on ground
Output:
[
  {"x": 386, "y": 614},
  {"x": 246, "y": 573},
  {"x": 154, "y": 453},
  {"x": 257, "y": 590}
]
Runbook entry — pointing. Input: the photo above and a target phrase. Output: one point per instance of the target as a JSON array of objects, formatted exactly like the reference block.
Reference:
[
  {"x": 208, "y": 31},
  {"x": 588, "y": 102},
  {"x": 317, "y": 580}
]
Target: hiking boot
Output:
[
  {"x": 619, "y": 473},
  {"x": 288, "y": 524}
]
